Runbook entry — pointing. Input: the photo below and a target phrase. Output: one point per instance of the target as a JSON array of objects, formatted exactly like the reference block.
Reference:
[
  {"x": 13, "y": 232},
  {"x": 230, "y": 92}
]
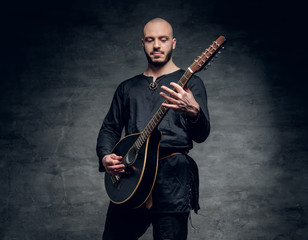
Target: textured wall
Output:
[{"x": 60, "y": 65}]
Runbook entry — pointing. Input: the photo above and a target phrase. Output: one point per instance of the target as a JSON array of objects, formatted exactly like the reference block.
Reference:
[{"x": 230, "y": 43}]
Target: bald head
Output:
[
  {"x": 158, "y": 42},
  {"x": 158, "y": 23}
]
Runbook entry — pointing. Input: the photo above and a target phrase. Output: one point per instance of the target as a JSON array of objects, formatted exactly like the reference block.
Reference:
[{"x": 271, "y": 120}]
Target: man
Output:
[{"x": 134, "y": 103}]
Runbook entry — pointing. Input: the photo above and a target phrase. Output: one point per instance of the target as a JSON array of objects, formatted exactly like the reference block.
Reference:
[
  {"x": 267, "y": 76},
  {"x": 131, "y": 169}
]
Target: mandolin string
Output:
[
  {"x": 161, "y": 112},
  {"x": 200, "y": 61}
]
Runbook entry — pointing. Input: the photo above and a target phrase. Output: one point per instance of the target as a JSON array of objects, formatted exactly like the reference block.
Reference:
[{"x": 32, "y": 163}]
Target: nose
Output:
[{"x": 156, "y": 44}]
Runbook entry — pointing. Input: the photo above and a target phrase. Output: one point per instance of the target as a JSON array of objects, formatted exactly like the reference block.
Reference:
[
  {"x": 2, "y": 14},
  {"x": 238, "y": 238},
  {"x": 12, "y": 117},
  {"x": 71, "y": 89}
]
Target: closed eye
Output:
[
  {"x": 164, "y": 39},
  {"x": 148, "y": 39}
]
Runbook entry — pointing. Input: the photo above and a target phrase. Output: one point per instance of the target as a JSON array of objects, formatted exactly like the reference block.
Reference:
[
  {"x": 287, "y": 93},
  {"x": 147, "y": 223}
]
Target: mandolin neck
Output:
[{"x": 160, "y": 113}]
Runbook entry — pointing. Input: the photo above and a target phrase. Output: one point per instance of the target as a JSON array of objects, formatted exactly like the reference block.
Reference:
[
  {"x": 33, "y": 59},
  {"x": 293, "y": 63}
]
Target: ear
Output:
[
  {"x": 173, "y": 43},
  {"x": 142, "y": 41}
]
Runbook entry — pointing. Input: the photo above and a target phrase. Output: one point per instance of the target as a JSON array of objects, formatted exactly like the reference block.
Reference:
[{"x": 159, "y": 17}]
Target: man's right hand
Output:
[{"x": 113, "y": 164}]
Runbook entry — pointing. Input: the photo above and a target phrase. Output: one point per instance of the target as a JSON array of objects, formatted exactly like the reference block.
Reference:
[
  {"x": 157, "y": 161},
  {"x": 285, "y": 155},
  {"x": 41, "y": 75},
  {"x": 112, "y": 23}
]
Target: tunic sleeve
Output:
[
  {"x": 199, "y": 127},
  {"x": 111, "y": 129}
]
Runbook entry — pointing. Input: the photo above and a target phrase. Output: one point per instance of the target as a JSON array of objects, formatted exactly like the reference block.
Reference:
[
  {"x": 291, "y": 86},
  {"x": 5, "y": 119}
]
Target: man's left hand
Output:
[{"x": 180, "y": 99}]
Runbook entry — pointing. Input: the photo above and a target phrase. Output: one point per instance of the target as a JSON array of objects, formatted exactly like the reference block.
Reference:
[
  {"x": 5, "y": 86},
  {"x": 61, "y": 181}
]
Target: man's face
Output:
[{"x": 158, "y": 42}]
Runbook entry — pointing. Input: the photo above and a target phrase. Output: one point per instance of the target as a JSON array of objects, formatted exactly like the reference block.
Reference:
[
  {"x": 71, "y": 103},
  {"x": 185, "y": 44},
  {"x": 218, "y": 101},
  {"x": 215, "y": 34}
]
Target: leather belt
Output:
[
  {"x": 172, "y": 154},
  {"x": 168, "y": 152}
]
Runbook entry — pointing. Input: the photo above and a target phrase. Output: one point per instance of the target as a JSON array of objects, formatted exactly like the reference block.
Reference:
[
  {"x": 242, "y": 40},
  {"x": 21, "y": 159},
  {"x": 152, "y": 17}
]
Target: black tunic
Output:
[{"x": 132, "y": 107}]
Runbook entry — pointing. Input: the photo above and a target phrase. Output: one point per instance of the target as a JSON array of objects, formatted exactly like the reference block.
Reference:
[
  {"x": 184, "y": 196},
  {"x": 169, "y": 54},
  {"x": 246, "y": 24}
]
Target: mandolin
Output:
[{"x": 140, "y": 151}]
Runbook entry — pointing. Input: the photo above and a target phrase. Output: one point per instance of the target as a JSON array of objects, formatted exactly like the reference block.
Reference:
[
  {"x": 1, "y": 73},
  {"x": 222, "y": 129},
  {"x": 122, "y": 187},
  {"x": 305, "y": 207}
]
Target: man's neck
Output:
[{"x": 157, "y": 71}]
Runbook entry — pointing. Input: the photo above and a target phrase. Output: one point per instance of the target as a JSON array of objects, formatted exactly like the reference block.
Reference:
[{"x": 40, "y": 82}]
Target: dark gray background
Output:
[{"x": 60, "y": 64}]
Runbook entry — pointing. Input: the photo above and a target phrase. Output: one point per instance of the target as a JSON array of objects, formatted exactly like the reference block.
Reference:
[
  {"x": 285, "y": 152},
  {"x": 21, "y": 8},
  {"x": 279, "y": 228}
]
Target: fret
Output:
[
  {"x": 150, "y": 128},
  {"x": 161, "y": 112},
  {"x": 180, "y": 83},
  {"x": 142, "y": 137},
  {"x": 138, "y": 145},
  {"x": 146, "y": 131},
  {"x": 183, "y": 83},
  {"x": 141, "y": 141},
  {"x": 154, "y": 122},
  {"x": 155, "y": 116}
]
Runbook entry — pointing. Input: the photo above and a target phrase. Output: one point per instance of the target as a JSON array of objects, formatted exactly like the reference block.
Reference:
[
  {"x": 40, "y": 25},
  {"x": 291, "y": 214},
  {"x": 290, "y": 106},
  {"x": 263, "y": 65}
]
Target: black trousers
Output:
[{"x": 131, "y": 224}]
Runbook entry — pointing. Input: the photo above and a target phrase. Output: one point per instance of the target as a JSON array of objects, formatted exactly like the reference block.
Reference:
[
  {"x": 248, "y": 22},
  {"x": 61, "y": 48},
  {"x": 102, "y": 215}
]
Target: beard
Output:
[{"x": 158, "y": 63}]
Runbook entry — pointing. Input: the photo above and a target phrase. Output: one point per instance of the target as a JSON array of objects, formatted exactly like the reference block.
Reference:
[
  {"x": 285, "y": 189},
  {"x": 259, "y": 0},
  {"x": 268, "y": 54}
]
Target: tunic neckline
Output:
[{"x": 150, "y": 78}]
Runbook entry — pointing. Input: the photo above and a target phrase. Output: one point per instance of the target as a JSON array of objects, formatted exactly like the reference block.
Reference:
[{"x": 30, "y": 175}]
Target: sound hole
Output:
[{"x": 131, "y": 156}]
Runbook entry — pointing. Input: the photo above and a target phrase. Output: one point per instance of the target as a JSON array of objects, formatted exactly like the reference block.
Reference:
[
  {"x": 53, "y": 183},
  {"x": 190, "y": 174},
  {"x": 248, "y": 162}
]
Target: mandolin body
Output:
[{"x": 134, "y": 187}]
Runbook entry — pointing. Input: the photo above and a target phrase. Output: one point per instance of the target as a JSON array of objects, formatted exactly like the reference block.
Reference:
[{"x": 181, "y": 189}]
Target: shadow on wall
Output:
[{"x": 58, "y": 79}]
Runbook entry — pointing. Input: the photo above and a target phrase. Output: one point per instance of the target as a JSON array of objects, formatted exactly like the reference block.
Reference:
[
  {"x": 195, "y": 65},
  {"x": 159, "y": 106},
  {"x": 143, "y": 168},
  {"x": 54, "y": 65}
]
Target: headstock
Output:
[{"x": 207, "y": 55}]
